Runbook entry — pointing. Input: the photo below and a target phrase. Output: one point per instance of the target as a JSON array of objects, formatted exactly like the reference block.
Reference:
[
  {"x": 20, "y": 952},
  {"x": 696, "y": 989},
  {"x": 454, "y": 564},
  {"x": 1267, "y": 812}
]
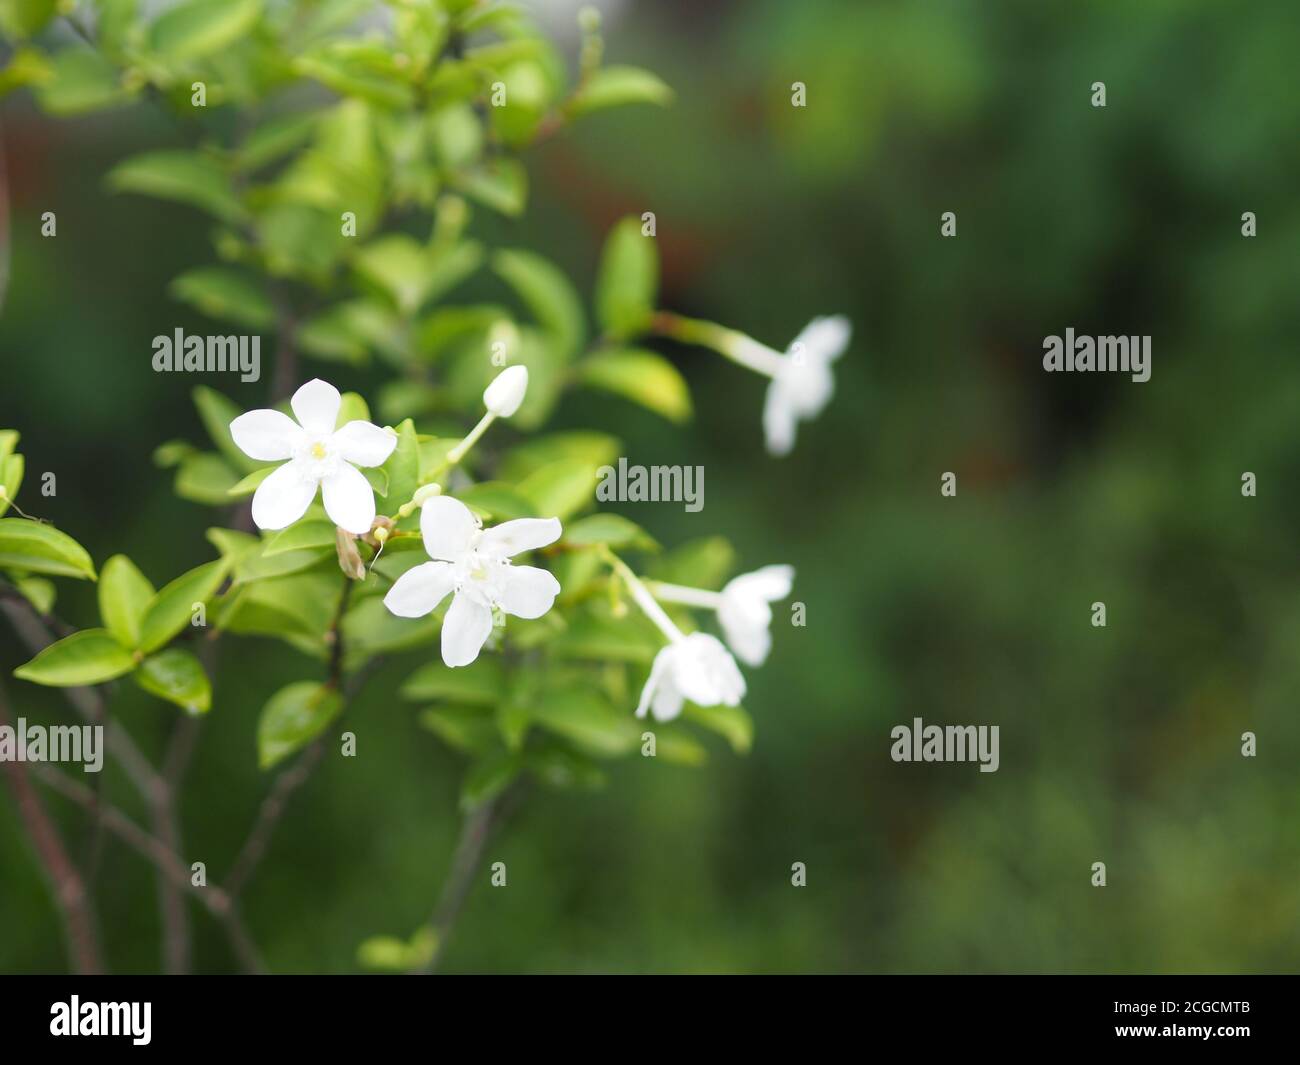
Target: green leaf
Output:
[
  {"x": 202, "y": 27},
  {"x": 561, "y": 768},
  {"x": 220, "y": 292},
  {"x": 274, "y": 139},
  {"x": 411, "y": 273},
  {"x": 40, "y": 548},
  {"x": 731, "y": 722},
  {"x": 627, "y": 282},
  {"x": 612, "y": 529},
  {"x": 560, "y": 489},
  {"x": 547, "y": 294},
  {"x": 675, "y": 745},
  {"x": 248, "y": 485},
  {"x": 185, "y": 176},
  {"x": 172, "y": 453},
  {"x": 91, "y": 656},
  {"x": 207, "y": 478},
  {"x": 124, "y": 594},
  {"x": 466, "y": 728},
  {"x": 501, "y": 184},
  {"x": 37, "y": 591},
  {"x": 496, "y": 500},
  {"x": 216, "y": 412},
  {"x": 178, "y": 677},
  {"x": 482, "y": 683},
  {"x": 303, "y": 534},
  {"x": 584, "y": 717},
  {"x": 615, "y": 86},
  {"x": 169, "y": 611},
  {"x": 703, "y": 563},
  {"x": 641, "y": 376},
  {"x": 586, "y": 447},
  {"x": 80, "y": 80},
  {"x": 394, "y": 955},
  {"x": 11, "y": 480},
  {"x": 488, "y": 778},
  {"x": 22, "y": 18},
  {"x": 384, "y": 953},
  {"x": 292, "y": 717},
  {"x": 631, "y": 639},
  {"x": 403, "y": 467}
]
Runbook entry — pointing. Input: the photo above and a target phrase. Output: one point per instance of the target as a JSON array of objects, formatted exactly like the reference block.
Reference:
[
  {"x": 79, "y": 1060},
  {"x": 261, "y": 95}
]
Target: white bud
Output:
[{"x": 503, "y": 396}]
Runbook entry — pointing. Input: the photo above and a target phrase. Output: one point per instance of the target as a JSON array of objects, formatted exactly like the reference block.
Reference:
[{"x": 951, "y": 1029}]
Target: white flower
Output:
[
  {"x": 318, "y": 455},
  {"x": 474, "y": 563},
  {"x": 503, "y": 396},
  {"x": 745, "y": 611},
  {"x": 695, "y": 667},
  {"x": 802, "y": 383}
]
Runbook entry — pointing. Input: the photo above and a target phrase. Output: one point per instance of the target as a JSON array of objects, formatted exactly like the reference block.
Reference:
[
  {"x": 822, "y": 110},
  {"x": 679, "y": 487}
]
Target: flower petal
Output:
[
  {"x": 659, "y": 673},
  {"x": 778, "y": 420},
  {"x": 448, "y": 527},
  {"x": 668, "y": 701},
  {"x": 770, "y": 583},
  {"x": 705, "y": 673},
  {"x": 282, "y": 498},
  {"x": 349, "y": 499},
  {"x": 265, "y": 435},
  {"x": 316, "y": 406},
  {"x": 419, "y": 590},
  {"x": 522, "y": 534},
  {"x": 527, "y": 592},
  {"x": 465, "y": 629},
  {"x": 825, "y": 337},
  {"x": 365, "y": 444},
  {"x": 750, "y": 640}
]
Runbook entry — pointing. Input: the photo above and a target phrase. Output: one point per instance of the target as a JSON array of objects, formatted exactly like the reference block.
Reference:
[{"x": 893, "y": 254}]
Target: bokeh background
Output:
[{"x": 1119, "y": 744}]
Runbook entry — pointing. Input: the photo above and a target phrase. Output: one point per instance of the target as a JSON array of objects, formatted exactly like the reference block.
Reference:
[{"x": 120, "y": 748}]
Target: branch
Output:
[
  {"x": 291, "y": 779},
  {"x": 475, "y": 831},
  {"x": 70, "y": 894},
  {"x": 162, "y": 857},
  {"x": 35, "y": 632}
]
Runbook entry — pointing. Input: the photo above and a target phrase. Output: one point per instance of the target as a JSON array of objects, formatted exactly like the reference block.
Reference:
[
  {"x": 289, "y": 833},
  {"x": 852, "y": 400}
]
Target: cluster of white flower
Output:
[{"x": 475, "y": 567}]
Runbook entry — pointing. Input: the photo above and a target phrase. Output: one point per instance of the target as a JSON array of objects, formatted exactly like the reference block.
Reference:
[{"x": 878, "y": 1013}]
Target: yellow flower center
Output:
[{"x": 318, "y": 451}]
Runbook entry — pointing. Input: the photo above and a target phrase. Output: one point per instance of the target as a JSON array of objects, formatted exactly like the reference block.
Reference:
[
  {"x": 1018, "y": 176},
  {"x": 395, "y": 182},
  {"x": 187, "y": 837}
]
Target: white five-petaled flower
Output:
[
  {"x": 802, "y": 382},
  {"x": 743, "y": 607},
  {"x": 318, "y": 454},
  {"x": 745, "y": 610},
  {"x": 695, "y": 667},
  {"x": 474, "y": 564}
]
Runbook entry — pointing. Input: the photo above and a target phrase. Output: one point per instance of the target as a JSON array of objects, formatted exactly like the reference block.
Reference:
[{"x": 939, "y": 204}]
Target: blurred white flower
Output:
[
  {"x": 506, "y": 392},
  {"x": 695, "y": 667},
  {"x": 474, "y": 564},
  {"x": 743, "y": 607},
  {"x": 802, "y": 382},
  {"x": 318, "y": 454},
  {"x": 745, "y": 611}
]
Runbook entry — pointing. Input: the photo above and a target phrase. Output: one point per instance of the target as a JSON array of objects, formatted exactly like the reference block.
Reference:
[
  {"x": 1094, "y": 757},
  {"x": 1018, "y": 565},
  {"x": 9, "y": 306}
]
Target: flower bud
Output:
[
  {"x": 503, "y": 396},
  {"x": 349, "y": 557}
]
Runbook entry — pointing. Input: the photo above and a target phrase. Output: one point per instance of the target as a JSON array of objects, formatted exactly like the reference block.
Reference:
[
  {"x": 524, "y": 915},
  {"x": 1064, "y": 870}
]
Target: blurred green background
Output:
[{"x": 1119, "y": 744}]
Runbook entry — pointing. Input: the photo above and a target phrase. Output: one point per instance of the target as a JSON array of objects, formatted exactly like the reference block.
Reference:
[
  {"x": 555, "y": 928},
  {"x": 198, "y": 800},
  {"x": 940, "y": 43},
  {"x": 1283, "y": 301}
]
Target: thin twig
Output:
[
  {"x": 70, "y": 895},
  {"x": 36, "y": 633},
  {"x": 293, "y": 778},
  {"x": 475, "y": 831},
  {"x": 167, "y": 861}
]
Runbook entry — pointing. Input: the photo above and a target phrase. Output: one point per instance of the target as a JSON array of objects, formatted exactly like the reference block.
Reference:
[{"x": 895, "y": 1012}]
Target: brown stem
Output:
[
  {"x": 70, "y": 895},
  {"x": 165, "y": 859},
  {"x": 475, "y": 831},
  {"x": 291, "y": 779},
  {"x": 151, "y": 786}
]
